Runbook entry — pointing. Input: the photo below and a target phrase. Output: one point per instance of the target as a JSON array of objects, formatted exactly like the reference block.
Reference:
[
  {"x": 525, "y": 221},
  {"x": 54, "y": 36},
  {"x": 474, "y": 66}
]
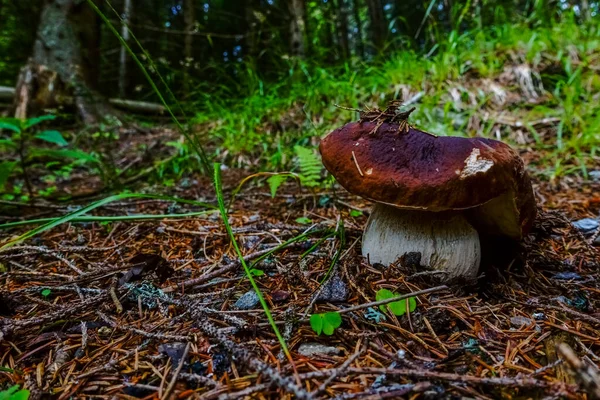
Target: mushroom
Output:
[{"x": 433, "y": 195}]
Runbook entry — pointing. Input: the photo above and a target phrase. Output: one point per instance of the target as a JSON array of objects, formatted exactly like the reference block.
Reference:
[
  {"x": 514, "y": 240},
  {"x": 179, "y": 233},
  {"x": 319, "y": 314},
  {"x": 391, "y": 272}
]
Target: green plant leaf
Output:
[
  {"x": 326, "y": 323},
  {"x": 398, "y": 308},
  {"x": 304, "y": 220},
  {"x": 60, "y": 154},
  {"x": 257, "y": 272},
  {"x": 46, "y": 292},
  {"x": 9, "y": 126},
  {"x": 34, "y": 121},
  {"x": 8, "y": 143},
  {"x": 310, "y": 166},
  {"x": 275, "y": 181},
  {"x": 331, "y": 321},
  {"x": 316, "y": 323},
  {"x": 54, "y": 137},
  {"x": 6, "y": 168},
  {"x": 356, "y": 213},
  {"x": 412, "y": 304},
  {"x": 13, "y": 393}
]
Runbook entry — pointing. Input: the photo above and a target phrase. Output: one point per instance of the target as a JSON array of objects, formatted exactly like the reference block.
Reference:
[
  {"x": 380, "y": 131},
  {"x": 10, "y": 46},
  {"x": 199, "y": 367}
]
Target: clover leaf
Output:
[
  {"x": 326, "y": 322},
  {"x": 397, "y": 307}
]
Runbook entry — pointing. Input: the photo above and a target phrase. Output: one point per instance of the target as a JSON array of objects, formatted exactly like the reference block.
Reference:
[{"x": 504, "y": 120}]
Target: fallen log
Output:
[
  {"x": 143, "y": 107},
  {"x": 7, "y": 94}
]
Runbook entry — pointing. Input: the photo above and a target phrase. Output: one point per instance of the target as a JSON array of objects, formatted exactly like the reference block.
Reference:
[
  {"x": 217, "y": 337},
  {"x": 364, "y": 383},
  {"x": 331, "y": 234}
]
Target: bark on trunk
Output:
[
  {"x": 378, "y": 24},
  {"x": 342, "y": 29},
  {"x": 330, "y": 40},
  {"x": 297, "y": 28},
  {"x": 65, "y": 63},
  {"x": 251, "y": 38},
  {"x": 1, "y": 16},
  {"x": 360, "y": 47},
  {"x": 123, "y": 53},
  {"x": 189, "y": 16}
]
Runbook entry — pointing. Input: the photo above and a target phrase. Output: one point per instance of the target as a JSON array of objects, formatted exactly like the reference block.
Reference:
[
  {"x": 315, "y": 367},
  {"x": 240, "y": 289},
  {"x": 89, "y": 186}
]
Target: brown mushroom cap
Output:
[{"x": 417, "y": 170}]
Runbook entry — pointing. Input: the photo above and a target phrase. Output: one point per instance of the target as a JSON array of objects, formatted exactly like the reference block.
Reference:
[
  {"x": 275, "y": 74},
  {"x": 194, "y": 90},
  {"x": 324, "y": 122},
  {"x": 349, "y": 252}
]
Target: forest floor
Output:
[{"x": 162, "y": 308}]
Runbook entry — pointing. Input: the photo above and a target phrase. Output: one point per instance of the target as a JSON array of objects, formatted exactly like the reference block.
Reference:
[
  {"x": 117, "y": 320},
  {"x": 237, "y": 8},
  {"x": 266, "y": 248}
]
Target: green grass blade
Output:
[
  {"x": 288, "y": 242},
  {"x": 341, "y": 234},
  {"x": 197, "y": 147},
  {"x": 69, "y": 217},
  {"x": 265, "y": 306},
  {"x": 429, "y": 8},
  {"x": 94, "y": 218},
  {"x": 150, "y": 60}
]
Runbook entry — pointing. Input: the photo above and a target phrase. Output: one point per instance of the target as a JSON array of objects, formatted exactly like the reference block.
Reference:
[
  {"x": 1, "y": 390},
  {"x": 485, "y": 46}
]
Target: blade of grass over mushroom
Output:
[
  {"x": 195, "y": 145},
  {"x": 97, "y": 218},
  {"x": 224, "y": 216},
  {"x": 76, "y": 214}
]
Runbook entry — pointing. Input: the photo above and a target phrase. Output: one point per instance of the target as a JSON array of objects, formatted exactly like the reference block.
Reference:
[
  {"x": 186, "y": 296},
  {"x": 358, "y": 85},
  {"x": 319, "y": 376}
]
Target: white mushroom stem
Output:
[{"x": 446, "y": 241}]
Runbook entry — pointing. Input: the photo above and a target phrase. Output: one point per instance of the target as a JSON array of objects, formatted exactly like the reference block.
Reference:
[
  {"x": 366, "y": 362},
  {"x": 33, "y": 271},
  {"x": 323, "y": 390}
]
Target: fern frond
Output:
[
  {"x": 309, "y": 165},
  {"x": 275, "y": 181}
]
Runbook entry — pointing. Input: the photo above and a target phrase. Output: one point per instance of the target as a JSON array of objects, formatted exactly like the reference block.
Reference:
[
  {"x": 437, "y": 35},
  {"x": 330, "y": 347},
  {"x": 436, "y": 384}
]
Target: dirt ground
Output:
[{"x": 146, "y": 309}]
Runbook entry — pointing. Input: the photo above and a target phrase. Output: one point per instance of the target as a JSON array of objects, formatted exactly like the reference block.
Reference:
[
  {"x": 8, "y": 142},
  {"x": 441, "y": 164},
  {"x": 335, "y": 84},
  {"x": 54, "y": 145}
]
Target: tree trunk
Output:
[
  {"x": 297, "y": 28},
  {"x": 586, "y": 13},
  {"x": 65, "y": 64},
  {"x": 329, "y": 40},
  {"x": 1, "y": 16},
  {"x": 342, "y": 28},
  {"x": 378, "y": 24},
  {"x": 252, "y": 32},
  {"x": 360, "y": 47},
  {"x": 123, "y": 54},
  {"x": 189, "y": 16}
]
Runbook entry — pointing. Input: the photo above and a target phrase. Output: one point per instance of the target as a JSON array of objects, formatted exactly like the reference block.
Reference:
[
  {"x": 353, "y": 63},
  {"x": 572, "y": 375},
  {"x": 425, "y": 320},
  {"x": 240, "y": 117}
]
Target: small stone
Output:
[
  {"x": 519, "y": 321},
  {"x": 334, "y": 291},
  {"x": 248, "y": 301},
  {"x": 539, "y": 316},
  {"x": 81, "y": 240},
  {"x": 173, "y": 350},
  {"x": 252, "y": 218},
  {"x": 250, "y": 242},
  {"x": 79, "y": 353},
  {"x": 187, "y": 183},
  {"x": 220, "y": 362},
  {"x": 594, "y": 175},
  {"x": 104, "y": 331},
  {"x": 279, "y": 296},
  {"x": 311, "y": 349},
  {"x": 567, "y": 276},
  {"x": 587, "y": 226}
]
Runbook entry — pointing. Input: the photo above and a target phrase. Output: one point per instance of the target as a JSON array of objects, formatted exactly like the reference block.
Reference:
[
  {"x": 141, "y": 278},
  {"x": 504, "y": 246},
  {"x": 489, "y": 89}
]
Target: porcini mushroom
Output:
[{"x": 433, "y": 195}]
